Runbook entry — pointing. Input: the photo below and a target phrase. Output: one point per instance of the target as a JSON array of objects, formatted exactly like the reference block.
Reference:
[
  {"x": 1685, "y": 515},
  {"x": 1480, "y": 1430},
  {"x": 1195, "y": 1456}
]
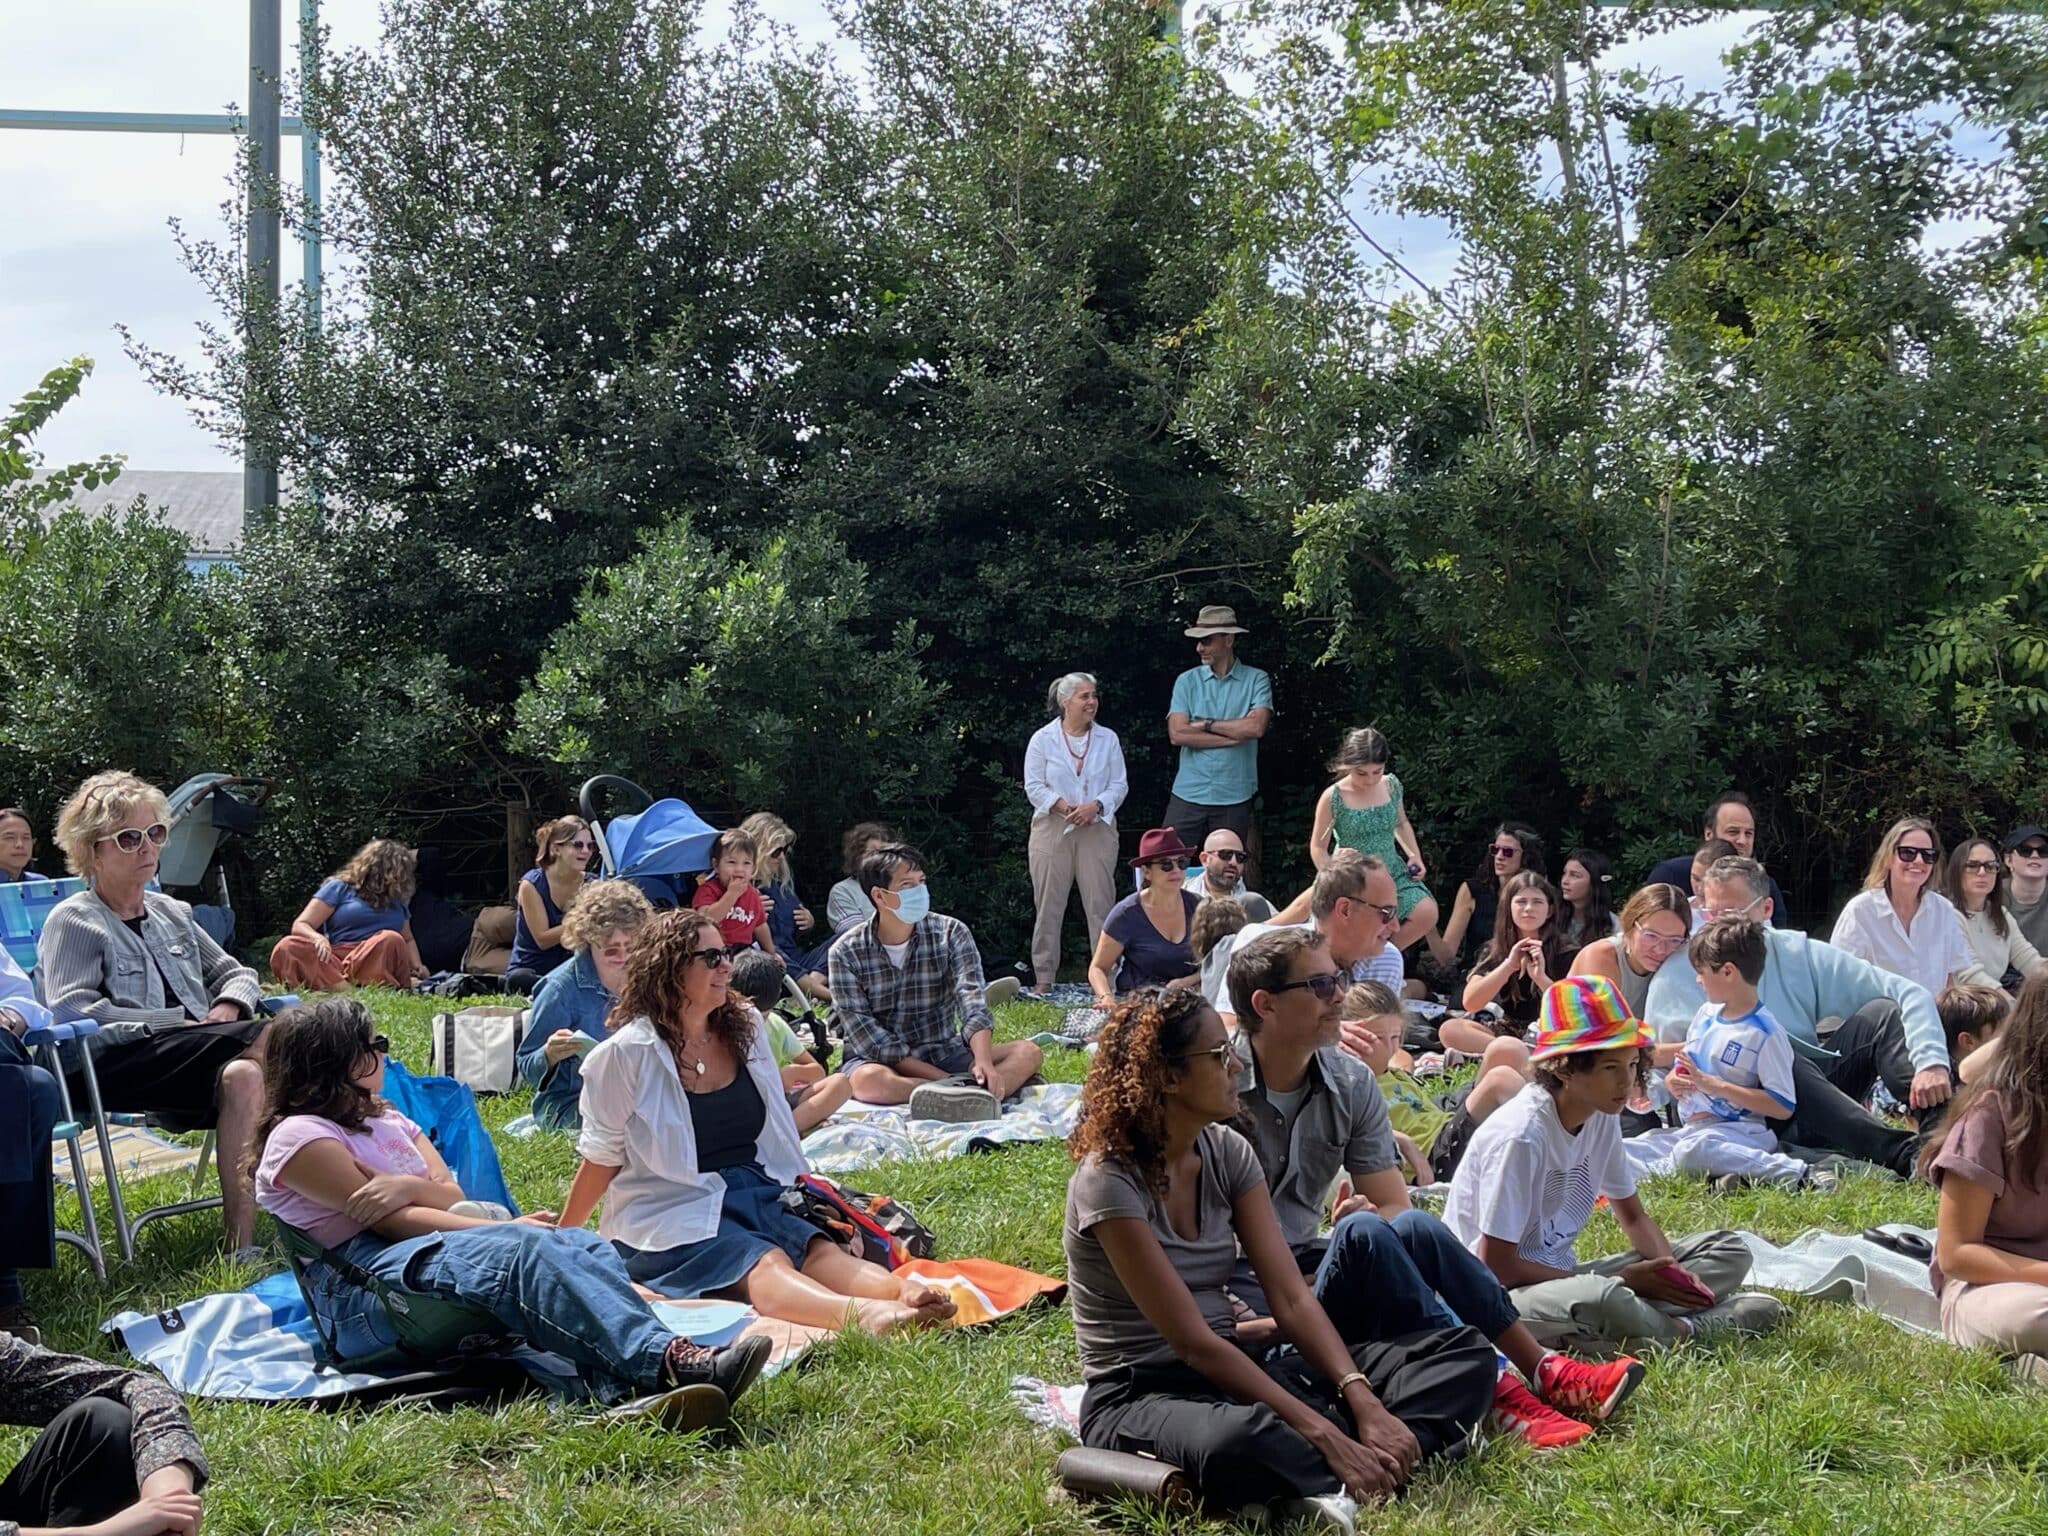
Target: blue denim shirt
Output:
[{"x": 569, "y": 997}]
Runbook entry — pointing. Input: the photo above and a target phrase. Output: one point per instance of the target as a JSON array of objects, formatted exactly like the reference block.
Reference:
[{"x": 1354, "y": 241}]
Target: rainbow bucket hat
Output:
[{"x": 1585, "y": 1013}]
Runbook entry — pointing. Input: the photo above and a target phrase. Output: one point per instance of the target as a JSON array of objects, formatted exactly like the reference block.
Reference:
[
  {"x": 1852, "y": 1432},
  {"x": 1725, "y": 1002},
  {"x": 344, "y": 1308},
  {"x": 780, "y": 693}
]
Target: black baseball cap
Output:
[{"x": 2019, "y": 835}]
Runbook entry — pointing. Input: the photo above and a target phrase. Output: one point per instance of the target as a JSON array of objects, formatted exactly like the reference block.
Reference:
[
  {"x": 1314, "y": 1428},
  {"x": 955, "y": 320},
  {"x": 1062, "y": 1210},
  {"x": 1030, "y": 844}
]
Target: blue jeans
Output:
[
  {"x": 564, "y": 1291},
  {"x": 28, "y": 1203},
  {"x": 1382, "y": 1279}
]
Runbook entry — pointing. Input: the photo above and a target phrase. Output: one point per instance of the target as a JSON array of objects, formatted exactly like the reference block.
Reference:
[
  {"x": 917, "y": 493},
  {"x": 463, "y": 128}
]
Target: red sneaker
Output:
[
  {"x": 1520, "y": 1412},
  {"x": 1590, "y": 1388}
]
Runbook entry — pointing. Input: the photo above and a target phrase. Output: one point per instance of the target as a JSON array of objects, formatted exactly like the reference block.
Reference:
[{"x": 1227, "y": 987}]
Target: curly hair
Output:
[
  {"x": 602, "y": 908},
  {"x": 309, "y": 1068},
  {"x": 656, "y": 975},
  {"x": 383, "y": 873},
  {"x": 854, "y": 846},
  {"x": 1123, "y": 1102},
  {"x": 1215, "y": 920},
  {"x": 1549, "y": 1074}
]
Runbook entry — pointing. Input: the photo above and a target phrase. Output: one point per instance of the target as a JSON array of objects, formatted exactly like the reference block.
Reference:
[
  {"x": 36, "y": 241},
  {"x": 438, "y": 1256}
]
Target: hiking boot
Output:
[
  {"x": 955, "y": 1101},
  {"x": 1521, "y": 1413},
  {"x": 731, "y": 1369},
  {"x": 16, "y": 1319},
  {"x": 1589, "y": 1389},
  {"x": 1743, "y": 1315},
  {"x": 681, "y": 1410}
]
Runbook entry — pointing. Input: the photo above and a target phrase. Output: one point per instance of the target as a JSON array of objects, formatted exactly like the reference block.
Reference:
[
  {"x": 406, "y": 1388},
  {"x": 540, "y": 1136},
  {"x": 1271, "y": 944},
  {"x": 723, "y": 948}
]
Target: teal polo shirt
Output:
[{"x": 1219, "y": 775}]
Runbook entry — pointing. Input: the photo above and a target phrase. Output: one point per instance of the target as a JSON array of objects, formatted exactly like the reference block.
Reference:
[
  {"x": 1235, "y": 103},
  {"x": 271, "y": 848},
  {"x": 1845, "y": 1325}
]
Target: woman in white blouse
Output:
[
  {"x": 1074, "y": 777},
  {"x": 689, "y": 1143},
  {"x": 1898, "y": 922},
  {"x": 1994, "y": 934}
]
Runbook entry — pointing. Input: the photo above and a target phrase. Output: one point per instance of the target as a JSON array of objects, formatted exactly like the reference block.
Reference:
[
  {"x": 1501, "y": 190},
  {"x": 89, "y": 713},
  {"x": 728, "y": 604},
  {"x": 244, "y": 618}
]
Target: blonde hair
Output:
[
  {"x": 1368, "y": 1000},
  {"x": 383, "y": 872},
  {"x": 602, "y": 908},
  {"x": 771, "y": 833},
  {"x": 1879, "y": 875},
  {"x": 96, "y": 810}
]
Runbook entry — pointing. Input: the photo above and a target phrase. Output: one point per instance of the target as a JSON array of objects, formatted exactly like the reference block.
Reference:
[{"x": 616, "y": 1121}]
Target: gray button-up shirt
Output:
[{"x": 1342, "y": 1125}]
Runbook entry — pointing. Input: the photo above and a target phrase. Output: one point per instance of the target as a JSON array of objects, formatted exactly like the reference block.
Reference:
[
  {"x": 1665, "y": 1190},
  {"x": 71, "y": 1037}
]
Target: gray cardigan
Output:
[{"x": 94, "y": 966}]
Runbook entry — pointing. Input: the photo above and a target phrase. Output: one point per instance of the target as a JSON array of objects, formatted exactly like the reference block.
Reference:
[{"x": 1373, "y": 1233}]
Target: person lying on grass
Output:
[
  {"x": 1990, "y": 1264},
  {"x": 332, "y": 1160},
  {"x": 1312, "y": 1112},
  {"x": 689, "y": 1144},
  {"x": 1164, "y": 1196},
  {"x": 1534, "y": 1170}
]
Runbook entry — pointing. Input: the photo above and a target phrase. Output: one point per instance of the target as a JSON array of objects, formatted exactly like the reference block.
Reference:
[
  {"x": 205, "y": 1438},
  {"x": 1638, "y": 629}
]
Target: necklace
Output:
[
  {"x": 697, "y": 1063},
  {"x": 1087, "y": 743}
]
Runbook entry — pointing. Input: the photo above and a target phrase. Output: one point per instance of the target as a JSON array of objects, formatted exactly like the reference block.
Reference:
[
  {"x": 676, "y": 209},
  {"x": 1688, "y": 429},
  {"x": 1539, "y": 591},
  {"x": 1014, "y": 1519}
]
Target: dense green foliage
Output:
[{"x": 693, "y": 409}]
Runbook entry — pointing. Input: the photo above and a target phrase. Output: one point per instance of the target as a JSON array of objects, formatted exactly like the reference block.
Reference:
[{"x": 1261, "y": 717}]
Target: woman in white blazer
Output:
[{"x": 689, "y": 1144}]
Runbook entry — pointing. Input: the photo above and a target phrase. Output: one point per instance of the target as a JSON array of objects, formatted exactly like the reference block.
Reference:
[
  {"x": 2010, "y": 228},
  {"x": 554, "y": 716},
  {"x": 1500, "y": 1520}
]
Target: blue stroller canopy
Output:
[{"x": 668, "y": 838}]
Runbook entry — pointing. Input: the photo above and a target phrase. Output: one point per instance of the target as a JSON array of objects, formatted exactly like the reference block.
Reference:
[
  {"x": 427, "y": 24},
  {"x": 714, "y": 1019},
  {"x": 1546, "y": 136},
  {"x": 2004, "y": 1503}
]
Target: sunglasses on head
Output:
[
  {"x": 712, "y": 959},
  {"x": 130, "y": 839},
  {"x": 1325, "y": 984},
  {"x": 1910, "y": 855}
]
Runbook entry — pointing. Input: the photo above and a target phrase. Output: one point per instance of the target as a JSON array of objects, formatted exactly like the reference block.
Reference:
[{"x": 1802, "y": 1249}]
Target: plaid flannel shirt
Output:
[{"x": 887, "y": 1013}]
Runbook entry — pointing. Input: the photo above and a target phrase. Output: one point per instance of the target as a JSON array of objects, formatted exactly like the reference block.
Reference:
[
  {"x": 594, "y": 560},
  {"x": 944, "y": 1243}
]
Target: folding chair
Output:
[
  {"x": 46, "y": 1042},
  {"x": 426, "y": 1329},
  {"x": 25, "y": 906}
]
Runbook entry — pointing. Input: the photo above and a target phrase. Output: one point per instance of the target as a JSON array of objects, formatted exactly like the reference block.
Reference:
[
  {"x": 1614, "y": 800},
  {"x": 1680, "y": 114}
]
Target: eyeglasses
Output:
[
  {"x": 129, "y": 839},
  {"x": 1981, "y": 866},
  {"x": 1909, "y": 854},
  {"x": 1325, "y": 984},
  {"x": 1173, "y": 865},
  {"x": 712, "y": 959},
  {"x": 378, "y": 1045},
  {"x": 1387, "y": 914},
  {"x": 1229, "y": 855},
  {"x": 1220, "y": 1054},
  {"x": 2032, "y": 851},
  {"x": 1712, "y": 913},
  {"x": 1662, "y": 940},
  {"x": 1504, "y": 851}
]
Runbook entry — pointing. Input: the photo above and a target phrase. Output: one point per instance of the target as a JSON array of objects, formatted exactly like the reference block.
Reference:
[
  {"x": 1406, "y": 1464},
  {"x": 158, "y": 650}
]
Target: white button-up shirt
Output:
[
  {"x": 1930, "y": 953},
  {"x": 1050, "y": 775},
  {"x": 636, "y": 1118}
]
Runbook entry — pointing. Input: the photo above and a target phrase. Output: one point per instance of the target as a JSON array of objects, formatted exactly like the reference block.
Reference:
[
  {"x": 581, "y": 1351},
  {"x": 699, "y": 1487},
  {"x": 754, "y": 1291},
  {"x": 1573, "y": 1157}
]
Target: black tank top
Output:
[{"x": 728, "y": 1123}]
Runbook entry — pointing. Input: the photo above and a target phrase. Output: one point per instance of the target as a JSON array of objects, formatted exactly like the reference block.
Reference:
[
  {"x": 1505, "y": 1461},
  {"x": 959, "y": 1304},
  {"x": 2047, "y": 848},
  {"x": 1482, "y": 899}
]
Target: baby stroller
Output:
[
  {"x": 657, "y": 844},
  {"x": 207, "y": 809}
]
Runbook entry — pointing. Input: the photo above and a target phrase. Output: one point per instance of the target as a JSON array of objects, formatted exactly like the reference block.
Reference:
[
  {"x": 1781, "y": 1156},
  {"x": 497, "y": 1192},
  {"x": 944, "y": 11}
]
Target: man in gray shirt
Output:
[{"x": 1310, "y": 1110}]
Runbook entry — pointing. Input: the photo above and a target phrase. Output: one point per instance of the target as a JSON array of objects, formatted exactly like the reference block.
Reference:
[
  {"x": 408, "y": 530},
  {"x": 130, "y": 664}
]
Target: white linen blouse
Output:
[
  {"x": 636, "y": 1118},
  {"x": 1050, "y": 776},
  {"x": 1930, "y": 953}
]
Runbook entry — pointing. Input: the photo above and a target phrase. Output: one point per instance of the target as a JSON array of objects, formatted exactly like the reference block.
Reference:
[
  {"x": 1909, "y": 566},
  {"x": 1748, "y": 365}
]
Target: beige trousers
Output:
[
  {"x": 2010, "y": 1317},
  {"x": 1060, "y": 859}
]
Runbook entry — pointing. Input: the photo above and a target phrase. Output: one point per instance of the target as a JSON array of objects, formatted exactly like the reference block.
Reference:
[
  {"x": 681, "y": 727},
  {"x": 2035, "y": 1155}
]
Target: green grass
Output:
[{"x": 1838, "y": 1424}]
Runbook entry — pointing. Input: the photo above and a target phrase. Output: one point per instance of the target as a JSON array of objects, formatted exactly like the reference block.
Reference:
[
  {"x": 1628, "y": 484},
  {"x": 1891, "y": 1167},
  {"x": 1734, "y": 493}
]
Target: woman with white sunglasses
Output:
[{"x": 179, "y": 1035}]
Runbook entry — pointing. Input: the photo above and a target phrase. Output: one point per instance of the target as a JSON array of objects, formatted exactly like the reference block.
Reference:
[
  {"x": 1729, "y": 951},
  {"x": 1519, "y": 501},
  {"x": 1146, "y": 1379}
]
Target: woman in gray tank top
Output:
[{"x": 1654, "y": 927}]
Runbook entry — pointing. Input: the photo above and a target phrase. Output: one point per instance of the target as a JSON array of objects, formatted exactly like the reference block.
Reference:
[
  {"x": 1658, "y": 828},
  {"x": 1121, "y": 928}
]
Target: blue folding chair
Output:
[
  {"x": 47, "y": 1042},
  {"x": 25, "y": 905}
]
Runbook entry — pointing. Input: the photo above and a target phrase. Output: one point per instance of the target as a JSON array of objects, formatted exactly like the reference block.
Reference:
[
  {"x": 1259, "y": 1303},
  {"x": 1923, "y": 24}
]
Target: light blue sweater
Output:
[{"x": 1806, "y": 980}]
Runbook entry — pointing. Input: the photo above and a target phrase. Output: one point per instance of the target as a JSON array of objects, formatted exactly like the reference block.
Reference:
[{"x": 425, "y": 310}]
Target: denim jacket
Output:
[{"x": 568, "y": 997}]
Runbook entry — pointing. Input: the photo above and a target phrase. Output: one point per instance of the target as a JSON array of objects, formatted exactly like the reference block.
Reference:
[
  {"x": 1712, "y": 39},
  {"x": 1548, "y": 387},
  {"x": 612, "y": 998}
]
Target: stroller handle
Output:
[{"x": 586, "y": 797}]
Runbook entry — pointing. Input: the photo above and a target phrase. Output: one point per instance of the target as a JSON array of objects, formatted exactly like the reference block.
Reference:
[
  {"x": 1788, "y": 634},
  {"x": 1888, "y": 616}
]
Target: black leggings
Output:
[
  {"x": 79, "y": 1471},
  {"x": 1438, "y": 1383}
]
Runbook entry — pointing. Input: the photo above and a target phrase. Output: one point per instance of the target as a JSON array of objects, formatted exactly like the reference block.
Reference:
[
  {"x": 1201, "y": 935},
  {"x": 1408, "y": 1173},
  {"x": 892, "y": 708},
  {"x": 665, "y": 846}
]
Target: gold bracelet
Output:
[{"x": 1357, "y": 1376}]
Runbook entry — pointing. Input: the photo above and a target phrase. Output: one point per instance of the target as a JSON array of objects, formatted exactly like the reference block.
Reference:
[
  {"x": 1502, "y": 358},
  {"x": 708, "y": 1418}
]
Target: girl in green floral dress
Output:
[{"x": 1363, "y": 810}]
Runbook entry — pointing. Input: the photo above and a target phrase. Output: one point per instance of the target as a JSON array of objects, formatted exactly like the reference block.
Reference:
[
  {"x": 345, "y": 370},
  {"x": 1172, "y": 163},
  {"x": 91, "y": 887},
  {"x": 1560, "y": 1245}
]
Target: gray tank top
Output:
[{"x": 1633, "y": 985}]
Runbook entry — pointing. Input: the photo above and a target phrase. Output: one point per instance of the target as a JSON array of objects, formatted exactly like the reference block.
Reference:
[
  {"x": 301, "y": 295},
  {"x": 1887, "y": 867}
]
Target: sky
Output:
[{"x": 87, "y": 244}]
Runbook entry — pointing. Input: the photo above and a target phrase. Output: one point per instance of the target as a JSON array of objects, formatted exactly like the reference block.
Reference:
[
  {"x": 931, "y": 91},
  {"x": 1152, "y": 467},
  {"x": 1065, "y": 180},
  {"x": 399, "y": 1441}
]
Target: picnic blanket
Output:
[
  {"x": 139, "y": 1153},
  {"x": 861, "y": 1135}
]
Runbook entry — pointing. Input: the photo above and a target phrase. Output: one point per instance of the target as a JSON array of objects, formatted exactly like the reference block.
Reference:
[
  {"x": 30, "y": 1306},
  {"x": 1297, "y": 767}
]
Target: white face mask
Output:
[{"x": 913, "y": 903}]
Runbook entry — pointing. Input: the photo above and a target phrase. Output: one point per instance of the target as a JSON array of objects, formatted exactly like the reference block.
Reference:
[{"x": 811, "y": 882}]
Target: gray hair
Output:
[
  {"x": 1063, "y": 689},
  {"x": 1745, "y": 872}
]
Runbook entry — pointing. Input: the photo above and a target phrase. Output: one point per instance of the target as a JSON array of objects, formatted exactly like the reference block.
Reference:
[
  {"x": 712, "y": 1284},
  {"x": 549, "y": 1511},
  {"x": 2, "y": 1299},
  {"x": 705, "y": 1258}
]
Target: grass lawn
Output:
[{"x": 1838, "y": 1424}]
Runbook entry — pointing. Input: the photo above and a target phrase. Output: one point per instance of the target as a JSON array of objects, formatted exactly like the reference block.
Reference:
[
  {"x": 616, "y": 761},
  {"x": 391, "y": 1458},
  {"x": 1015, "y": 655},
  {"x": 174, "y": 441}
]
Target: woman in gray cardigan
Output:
[{"x": 179, "y": 1035}]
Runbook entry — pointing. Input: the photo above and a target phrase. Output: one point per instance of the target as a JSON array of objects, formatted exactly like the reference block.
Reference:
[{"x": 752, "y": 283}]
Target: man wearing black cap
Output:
[
  {"x": 1220, "y": 709},
  {"x": 2026, "y": 881}
]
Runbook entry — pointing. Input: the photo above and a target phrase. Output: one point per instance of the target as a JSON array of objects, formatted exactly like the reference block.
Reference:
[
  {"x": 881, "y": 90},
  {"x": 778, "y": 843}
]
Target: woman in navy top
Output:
[
  {"x": 564, "y": 847},
  {"x": 1144, "y": 939},
  {"x": 357, "y": 929}
]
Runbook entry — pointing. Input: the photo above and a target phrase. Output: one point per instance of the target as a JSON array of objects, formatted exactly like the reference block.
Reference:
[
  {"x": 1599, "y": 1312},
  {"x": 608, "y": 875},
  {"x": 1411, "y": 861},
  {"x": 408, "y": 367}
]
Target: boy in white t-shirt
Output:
[
  {"x": 1535, "y": 1169},
  {"x": 1734, "y": 1075}
]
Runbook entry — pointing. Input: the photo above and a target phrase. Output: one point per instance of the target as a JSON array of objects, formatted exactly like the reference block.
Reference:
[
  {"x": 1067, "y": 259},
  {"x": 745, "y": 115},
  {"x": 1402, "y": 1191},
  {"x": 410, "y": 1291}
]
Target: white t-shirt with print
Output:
[{"x": 1528, "y": 1181}]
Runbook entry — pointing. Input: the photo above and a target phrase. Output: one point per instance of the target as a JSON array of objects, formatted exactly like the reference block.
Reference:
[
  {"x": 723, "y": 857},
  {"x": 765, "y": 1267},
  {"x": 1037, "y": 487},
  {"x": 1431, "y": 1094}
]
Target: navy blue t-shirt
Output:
[
  {"x": 1678, "y": 871},
  {"x": 1149, "y": 959}
]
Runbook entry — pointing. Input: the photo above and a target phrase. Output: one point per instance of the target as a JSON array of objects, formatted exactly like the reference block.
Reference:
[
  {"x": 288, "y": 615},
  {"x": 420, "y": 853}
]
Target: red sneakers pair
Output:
[{"x": 1590, "y": 1389}]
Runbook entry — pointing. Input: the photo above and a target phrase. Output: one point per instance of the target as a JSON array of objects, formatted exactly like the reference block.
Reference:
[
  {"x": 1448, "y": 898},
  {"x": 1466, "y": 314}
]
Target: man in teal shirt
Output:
[{"x": 1220, "y": 709}]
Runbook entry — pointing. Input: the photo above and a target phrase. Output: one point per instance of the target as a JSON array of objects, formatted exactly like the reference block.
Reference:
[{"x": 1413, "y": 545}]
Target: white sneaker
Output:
[{"x": 1326, "y": 1511}]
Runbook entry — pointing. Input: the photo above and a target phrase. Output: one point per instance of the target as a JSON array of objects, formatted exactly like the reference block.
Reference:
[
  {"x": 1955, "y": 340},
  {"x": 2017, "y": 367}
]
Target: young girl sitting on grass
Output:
[
  {"x": 1990, "y": 1264},
  {"x": 334, "y": 1161},
  {"x": 1514, "y": 969}
]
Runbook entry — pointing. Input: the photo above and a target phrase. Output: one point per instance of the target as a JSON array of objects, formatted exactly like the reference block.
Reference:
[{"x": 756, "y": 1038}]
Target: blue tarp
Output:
[{"x": 446, "y": 1111}]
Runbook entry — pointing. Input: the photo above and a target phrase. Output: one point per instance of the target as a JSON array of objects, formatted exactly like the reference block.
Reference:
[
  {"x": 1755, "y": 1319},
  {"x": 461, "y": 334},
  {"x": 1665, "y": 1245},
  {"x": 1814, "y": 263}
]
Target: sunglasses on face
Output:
[
  {"x": 1229, "y": 855},
  {"x": 2032, "y": 851},
  {"x": 1387, "y": 914},
  {"x": 1505, "y": 851},
  {"x": 1908, "y": 855},
  {"x": 130, "y": 839},
  {"x": 1981, "y": 866},
  {"x": 712, "y": 959},
  {"x": 378, "y": 1045},
  {"x": 1325, "y": 984},
  {"x": 1175, "y": 866},
  {"x": 581, "y": 844}
]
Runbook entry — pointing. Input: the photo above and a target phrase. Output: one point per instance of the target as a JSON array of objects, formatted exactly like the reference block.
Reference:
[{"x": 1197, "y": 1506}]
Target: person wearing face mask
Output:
[
  {"x": 907, "y": 985},
  {"x": 572, "y": 1001}
]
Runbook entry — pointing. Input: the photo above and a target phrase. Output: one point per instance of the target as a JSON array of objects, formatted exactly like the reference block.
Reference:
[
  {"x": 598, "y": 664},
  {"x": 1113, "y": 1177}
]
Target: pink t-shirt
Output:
[
  {"x": 383, "y": 1145},
  {"x": 747, "y": 914}
]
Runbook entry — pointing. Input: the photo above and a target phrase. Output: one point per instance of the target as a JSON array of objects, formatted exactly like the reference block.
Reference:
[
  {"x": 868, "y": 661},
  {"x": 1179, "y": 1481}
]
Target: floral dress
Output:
[{"x": 1372, "y": 831}]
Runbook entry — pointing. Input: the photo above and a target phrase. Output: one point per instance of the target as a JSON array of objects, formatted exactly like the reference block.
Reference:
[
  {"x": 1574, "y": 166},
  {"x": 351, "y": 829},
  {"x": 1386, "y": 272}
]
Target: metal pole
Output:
[
  {"x": 309, "y": 154},
  {"x": 259, "y": 320}
]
